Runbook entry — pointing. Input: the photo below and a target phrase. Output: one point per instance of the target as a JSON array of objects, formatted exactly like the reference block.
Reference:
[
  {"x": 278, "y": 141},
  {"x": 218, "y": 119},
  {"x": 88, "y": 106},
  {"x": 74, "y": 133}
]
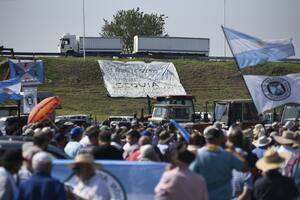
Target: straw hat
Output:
[
  {"x": 288, "y": 137},
  {"x": 84, "y": 158},
  {"x": 270, "y": 160},
  {"x": 262, "y": 141}
]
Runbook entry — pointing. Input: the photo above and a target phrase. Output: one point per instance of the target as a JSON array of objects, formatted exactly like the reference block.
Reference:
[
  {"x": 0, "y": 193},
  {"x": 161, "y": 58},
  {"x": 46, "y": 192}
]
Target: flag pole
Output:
[{"x": 238, "y": 67}]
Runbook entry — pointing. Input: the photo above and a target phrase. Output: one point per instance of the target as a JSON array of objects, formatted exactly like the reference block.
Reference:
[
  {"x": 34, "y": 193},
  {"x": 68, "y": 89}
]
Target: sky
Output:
[{"x": 37, "y": 25}]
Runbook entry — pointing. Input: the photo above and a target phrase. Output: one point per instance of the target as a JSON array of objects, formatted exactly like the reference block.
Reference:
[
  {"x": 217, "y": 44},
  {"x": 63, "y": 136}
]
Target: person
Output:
[
  {"x": 132, "y": 138},
  {"x": 164, "y": 139},
  {"x": 89, "y": 183},
  {"x": 105, "y": 151},
  {"x": 272, "y": 185},
  {"x": 147, "y": 153},
  {"x": 60, "y": 141},
  {"x": 286, "y": 141},
  {"x": 179, "y": 182},
  {"x": 28, "y": 151},
  {"x": 40, "y": 139},
  {"x": 216, "y": 165},
  {"x": 11, "y": 163},
  {"x": 73, "y": 146},
  {"x": 41, "y": 185},
  {"x": 261, "y": 145},
  {"x": 196, "y": 142}
]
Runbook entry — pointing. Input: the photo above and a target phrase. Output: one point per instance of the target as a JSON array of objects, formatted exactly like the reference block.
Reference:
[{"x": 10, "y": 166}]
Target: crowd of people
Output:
[{"x": 216, "y": 164}]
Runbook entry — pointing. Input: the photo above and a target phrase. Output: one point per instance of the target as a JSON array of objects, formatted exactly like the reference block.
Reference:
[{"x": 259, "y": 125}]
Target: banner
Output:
[
  {"x": 10, "y": 90},
  {"x": 29, "y": 99},
  {"x": 125, "y": 179},
  {"x": 269, "y": 92},
  {"x": 250, "y": 51},
  {"x": 139, "y": 79},
  {"x": 30, "y": 72}
]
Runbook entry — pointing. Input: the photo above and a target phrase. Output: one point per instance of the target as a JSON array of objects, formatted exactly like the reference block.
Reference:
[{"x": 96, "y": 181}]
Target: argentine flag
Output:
[
  {"x": 10, "y": 90},
  {"x": 250, "y": 51}
]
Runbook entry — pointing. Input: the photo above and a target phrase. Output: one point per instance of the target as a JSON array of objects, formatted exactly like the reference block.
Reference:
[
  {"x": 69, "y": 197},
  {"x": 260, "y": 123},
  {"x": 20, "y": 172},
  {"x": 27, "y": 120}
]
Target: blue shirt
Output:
[
  {"x": 239, "y": 181},
  {"x": 259, "y": 152},
  {"x": 216, "y": 167},
  {"x": 41, "y": 186},
  {"x": 72, "y": 148}
]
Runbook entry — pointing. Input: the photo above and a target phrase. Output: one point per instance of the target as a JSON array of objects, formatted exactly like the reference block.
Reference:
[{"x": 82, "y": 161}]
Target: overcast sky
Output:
[{"x": 36, "y": 25}]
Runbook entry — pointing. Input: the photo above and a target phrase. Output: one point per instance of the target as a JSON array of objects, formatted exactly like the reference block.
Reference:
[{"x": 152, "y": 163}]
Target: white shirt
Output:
[
  {"x": 85, "y": 141},
  {"x": 93, "y": 189}
]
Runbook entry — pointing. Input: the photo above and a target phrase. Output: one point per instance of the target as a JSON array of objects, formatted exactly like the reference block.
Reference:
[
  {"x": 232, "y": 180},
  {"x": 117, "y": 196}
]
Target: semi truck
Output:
[
  {"x": 73, "y": 45},
  {"x": 171, "y": 45}
]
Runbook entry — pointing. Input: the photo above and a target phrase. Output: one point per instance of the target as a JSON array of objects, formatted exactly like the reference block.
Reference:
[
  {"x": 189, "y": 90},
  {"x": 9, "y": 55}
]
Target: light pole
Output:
[
  {"x": 83, "y": 18},
  {"x": 224, "y": 24}
]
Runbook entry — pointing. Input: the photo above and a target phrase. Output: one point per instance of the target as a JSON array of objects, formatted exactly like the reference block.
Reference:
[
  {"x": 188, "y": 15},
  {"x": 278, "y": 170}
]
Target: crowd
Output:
[{"x": 220, "y": 163}]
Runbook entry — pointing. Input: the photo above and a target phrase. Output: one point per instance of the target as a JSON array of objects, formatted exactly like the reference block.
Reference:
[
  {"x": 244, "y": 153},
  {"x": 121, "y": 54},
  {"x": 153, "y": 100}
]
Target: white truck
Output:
[
  {"x": 73, "y": 45},
  {"x": 171, "y": 45}
]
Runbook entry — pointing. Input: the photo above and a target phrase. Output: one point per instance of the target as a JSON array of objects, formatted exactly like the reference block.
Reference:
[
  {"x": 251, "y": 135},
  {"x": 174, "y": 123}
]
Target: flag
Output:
[
  {"x": 10, "y": 90},
  {"x": 250, "y": 51},
  {"x": 125, "y": 179},
  {"x": 185, "y": 134},
  {"x": 30, "y": 72},
  {"x": 269, "y": 92}
]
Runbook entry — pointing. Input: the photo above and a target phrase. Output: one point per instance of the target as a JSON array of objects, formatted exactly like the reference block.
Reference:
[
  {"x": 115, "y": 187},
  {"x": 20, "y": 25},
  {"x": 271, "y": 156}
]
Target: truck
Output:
[
  {"x": 171, "y": 45},
  {"x": 73, "y": 45},
  {"x": 181, "y": 109}
]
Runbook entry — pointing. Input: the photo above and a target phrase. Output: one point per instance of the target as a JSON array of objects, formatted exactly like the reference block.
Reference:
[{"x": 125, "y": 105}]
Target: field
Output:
[{"x": 80, "y": 85}]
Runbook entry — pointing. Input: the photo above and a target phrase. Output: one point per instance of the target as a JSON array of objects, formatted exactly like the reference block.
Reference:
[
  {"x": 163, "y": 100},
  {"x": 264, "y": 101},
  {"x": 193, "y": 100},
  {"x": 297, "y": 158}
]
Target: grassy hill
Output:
[{"x": 80, "y": 85}]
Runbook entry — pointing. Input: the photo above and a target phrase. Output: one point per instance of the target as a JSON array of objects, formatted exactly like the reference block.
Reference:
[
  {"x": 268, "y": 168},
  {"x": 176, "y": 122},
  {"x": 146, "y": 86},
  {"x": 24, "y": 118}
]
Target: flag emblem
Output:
[{"x": 276, "y": 88}]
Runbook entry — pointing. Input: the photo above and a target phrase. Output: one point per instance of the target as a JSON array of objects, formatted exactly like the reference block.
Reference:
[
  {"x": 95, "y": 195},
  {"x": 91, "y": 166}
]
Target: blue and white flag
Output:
[
  {"x": 30, "y": 72},
  {"x": 10, "y": 90},
  {"x": 250, "y": 51},
  {"x": 269, "y": 92},
  {"x": 126, "y": 180},
  {"x": 185, "y": 134}
]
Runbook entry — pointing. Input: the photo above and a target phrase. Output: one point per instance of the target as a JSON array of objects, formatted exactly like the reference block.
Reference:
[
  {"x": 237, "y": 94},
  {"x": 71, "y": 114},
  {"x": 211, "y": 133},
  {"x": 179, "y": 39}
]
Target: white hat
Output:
[{"x": 40, "y": 158}]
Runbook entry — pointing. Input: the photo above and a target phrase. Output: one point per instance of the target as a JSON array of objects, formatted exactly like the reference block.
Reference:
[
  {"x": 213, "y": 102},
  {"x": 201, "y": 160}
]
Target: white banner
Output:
[
  {"x": 29, "y": 99},
  {"x": 269, "y": 92},
  {"x": 139, "y": 79}
]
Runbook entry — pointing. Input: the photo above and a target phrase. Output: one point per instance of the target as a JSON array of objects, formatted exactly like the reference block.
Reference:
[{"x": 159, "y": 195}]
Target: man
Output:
[
  {"x": 41, "y": 185},
  {"x": 272, "y": 185},
  {"x": 180, "y": 183},
  {"x": 73, "y": 146},
  {"x": 40, "y": 139},
  {"x": 105, "y": 151},
  {"x": 89, "y": 184},
  {"x": 11, "y": 163},
  {"x": 261, "y": 145},
  {"x": 216, "y": 165},
  {"x": 132, "y": 138}
]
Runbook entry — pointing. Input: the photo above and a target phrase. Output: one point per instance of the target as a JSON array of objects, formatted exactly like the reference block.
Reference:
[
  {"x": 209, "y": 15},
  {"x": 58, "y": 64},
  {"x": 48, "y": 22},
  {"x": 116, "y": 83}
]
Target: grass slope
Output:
[{"x": 80, "y": 85}]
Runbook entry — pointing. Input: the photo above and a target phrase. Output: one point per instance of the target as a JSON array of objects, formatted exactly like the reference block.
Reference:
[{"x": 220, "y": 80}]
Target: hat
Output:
[
  {"x": 262, "y": 141},
  {"x": 274, "y": 133},
  {"x": 288, "y": 137},
  {"x": 147, "y": 133},
  {"x": 75, "y": 132},
  {"x": 270, "y": 160},
  {"x": 164, "y": 137},
  {"x": 84, "y": 158},
  {"x": 211, "y": 132}
]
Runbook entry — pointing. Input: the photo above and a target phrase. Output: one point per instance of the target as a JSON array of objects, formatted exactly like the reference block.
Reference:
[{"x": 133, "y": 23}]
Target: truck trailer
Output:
[
  {"x": 171, "y": 45},
  {"x": 73, "y": 45}
]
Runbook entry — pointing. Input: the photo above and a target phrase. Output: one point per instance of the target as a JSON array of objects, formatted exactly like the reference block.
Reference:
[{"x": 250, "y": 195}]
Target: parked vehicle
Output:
[
  {"x": 73, "y": 45},
  {"x": 291, "y": 112},
  {"x": 236, "y": 110},
  {"x": 171, "y": 45},
  {"x": 16, "y": 142},
  {"x": 79, "y": 119},
  {"x": 12, "y": 125}
]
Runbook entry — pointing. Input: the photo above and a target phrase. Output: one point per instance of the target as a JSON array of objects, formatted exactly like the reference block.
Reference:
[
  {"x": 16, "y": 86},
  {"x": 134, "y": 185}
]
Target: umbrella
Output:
[{"x": 41, "y": 111}]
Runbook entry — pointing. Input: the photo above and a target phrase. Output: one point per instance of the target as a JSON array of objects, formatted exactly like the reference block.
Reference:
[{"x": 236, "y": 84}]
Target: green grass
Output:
[{"x": 80, "y": 85}]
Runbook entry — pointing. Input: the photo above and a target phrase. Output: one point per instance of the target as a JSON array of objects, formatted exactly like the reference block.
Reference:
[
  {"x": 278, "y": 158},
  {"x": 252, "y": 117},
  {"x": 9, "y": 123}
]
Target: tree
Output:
[{"x": 128, "y": 23}]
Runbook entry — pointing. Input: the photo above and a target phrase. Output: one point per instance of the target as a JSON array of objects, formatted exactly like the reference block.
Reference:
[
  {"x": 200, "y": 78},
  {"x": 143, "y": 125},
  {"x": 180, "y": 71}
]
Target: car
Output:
[
  {"x": 16, "y": 142},
  {"x": 12, "y": 125},
  {"x": 78, "y": 119}
]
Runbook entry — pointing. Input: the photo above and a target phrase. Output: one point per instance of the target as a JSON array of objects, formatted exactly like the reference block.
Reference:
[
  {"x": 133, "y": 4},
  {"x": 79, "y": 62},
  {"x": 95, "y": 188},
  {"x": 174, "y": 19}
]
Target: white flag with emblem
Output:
[{"x": 269, "y": 92}]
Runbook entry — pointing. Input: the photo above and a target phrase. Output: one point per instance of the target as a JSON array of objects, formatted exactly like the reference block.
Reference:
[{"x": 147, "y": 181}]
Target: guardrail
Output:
[{"x": 158, "y": 56}]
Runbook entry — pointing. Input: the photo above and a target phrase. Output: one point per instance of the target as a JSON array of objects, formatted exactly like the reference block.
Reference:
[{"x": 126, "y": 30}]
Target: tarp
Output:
[
  {"x": 126, "y": 179},
  {"x": 139, "y": 79},
  {"x": 29, "y": 71},
  {"x": 269, "y": 92}
]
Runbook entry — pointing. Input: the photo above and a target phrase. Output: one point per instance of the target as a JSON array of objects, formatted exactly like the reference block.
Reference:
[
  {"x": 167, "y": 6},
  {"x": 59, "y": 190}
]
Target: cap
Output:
[{"x": 75, "y": 132}]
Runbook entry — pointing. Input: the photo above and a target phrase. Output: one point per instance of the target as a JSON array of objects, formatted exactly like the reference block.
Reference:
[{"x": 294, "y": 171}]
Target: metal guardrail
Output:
[{"x": 221, "y": 58}]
